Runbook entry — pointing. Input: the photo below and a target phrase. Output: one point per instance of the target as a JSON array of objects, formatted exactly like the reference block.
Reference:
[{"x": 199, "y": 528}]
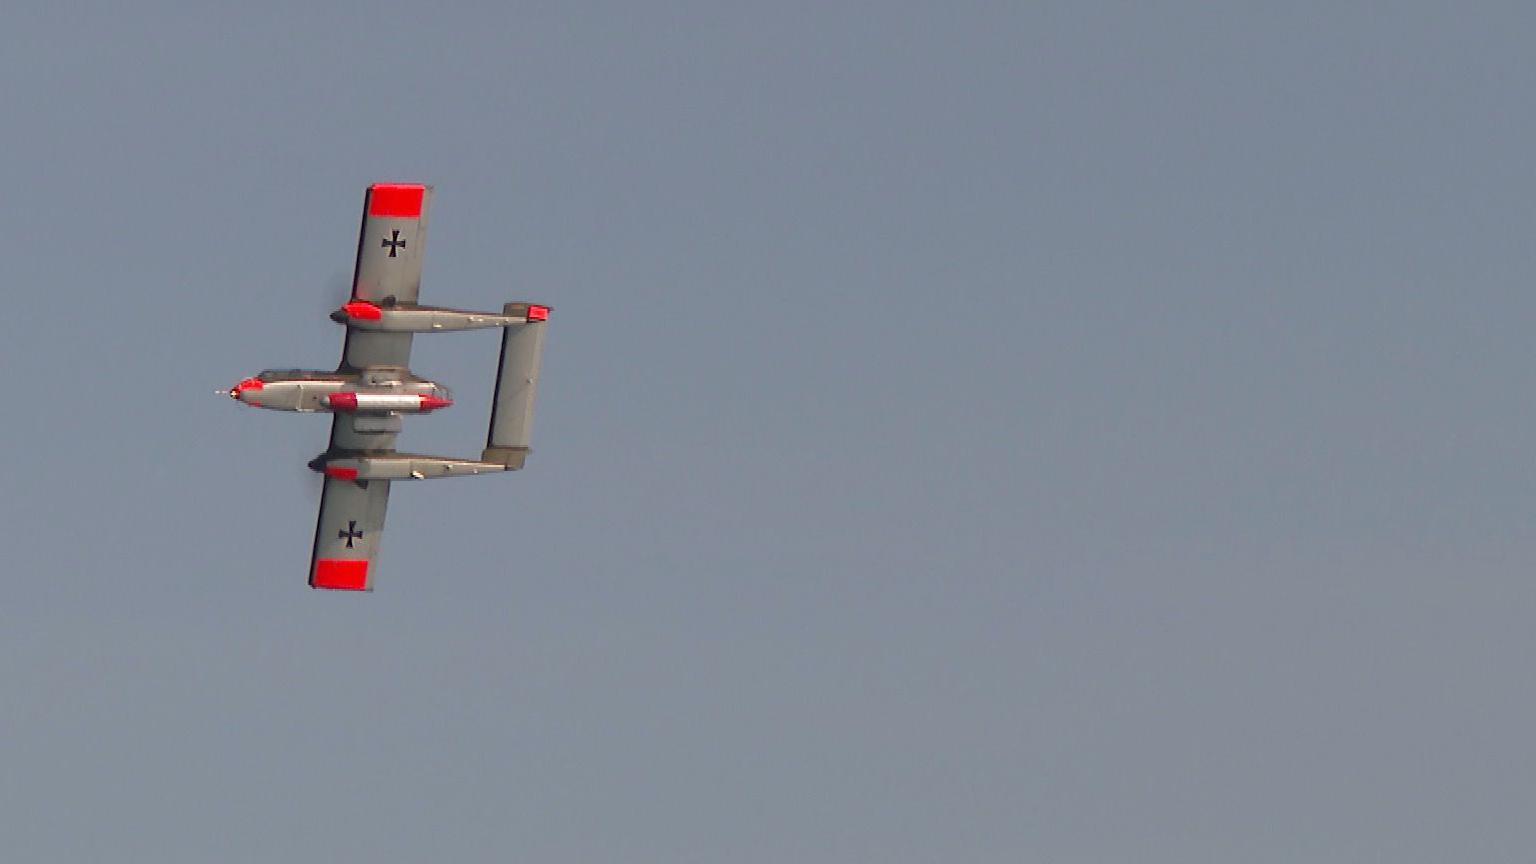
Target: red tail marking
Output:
[
  {"x": 341, "y": 473},
  {"x": 538, "y": 313}
]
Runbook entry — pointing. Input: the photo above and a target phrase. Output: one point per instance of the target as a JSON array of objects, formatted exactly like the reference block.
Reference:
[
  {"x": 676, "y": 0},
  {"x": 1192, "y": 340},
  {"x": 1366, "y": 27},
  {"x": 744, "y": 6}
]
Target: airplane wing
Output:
[
  {"x": 347, "y": 536},
  {"x": 389, "y": 255},
  {"x": 390, "y": 248}
]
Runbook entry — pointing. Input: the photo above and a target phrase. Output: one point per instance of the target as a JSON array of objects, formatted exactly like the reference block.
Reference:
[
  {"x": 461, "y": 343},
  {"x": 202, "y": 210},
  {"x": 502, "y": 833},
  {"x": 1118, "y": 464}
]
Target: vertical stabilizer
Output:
[{"x": 517, "y": 382}]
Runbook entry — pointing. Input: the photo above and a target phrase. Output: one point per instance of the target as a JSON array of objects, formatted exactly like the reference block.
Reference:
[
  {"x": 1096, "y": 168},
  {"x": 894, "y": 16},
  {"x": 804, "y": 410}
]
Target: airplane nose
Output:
[{"x": 249, "y": 384}]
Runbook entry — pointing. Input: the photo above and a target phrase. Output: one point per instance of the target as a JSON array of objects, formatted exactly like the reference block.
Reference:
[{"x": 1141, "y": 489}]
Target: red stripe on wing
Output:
[
  {"x": 339, "y": 575},
  {"x": 396, "y": 200}
]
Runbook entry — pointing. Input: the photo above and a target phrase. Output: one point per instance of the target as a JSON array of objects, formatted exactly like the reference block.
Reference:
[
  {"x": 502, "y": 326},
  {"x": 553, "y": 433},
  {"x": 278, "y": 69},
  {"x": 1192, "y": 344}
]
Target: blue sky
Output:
[{"x": 1005, "y": 432}]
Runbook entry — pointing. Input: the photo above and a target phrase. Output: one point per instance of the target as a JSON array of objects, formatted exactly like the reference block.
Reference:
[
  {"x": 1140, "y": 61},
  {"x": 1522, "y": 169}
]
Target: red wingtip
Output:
[
  {"x": 538, "y": 313},
  {"x": 363, "y": 311},
  {"x": 339, "y": 575},
  {"x": 396, "y": 200},
  {"x": 342, "y": 401},
  {"x": 432, "y": 403},
  {"x": 341, "y": 473}
]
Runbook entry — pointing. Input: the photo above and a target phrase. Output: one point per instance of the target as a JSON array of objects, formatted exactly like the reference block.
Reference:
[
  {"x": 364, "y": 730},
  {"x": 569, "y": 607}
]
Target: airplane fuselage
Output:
[{"x": 372, "y": 390}]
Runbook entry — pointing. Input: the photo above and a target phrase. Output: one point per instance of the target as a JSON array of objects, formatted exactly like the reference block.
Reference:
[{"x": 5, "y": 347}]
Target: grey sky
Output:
[{"x": 995, "y": 433}]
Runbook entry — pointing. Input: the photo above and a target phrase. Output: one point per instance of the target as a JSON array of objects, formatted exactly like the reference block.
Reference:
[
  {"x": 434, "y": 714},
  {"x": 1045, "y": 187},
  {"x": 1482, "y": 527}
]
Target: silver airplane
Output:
[{"x": 373, "y": 387}]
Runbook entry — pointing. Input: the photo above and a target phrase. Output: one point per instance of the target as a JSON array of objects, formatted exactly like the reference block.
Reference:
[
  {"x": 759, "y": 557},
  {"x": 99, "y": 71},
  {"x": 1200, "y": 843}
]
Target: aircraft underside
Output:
[{"x": 373, "y": 388}]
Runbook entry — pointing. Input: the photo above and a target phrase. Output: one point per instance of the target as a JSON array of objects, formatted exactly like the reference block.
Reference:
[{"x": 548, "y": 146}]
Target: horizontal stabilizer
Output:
[{"x": 517, "y": 382}]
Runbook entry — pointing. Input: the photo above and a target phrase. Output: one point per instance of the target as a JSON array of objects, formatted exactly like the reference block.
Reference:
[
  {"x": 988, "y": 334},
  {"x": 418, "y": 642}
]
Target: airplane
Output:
[{"x": 373, "y": 388}]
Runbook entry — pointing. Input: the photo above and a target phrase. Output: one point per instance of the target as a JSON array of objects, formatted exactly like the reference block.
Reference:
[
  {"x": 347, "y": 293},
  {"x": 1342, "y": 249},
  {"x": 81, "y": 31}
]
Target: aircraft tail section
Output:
[{"x": 517, "y": 382}]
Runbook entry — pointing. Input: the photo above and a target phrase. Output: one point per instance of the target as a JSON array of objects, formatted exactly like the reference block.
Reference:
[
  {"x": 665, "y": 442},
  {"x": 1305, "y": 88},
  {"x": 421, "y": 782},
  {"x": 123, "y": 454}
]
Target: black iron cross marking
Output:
[
  {"x": 350, "y": 534},
  {"x": 392, "y": 242}
]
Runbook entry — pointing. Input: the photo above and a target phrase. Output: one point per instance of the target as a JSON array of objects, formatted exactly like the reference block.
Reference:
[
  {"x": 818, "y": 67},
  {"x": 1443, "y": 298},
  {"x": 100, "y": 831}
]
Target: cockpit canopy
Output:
[{"x": 268, "y": 375}]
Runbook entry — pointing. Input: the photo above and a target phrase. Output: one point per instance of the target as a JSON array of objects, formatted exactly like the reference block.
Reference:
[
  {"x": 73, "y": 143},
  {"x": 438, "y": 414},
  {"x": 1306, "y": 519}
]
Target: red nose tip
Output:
[
  {"x": 363, "y": 311},
  {"x": 248, "y": 385},
  {"x": 432, "y": 403},
  {"x": 342, "y": 401},
  {"x": 341, "y": 473}
]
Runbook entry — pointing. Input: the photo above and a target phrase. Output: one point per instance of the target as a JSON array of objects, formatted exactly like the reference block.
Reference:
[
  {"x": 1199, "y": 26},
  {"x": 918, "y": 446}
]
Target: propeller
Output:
[
  {"x": 338, "y": 290},
  {"x": 307, "y": 479},
  {"x": 309, "y": 483}
]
